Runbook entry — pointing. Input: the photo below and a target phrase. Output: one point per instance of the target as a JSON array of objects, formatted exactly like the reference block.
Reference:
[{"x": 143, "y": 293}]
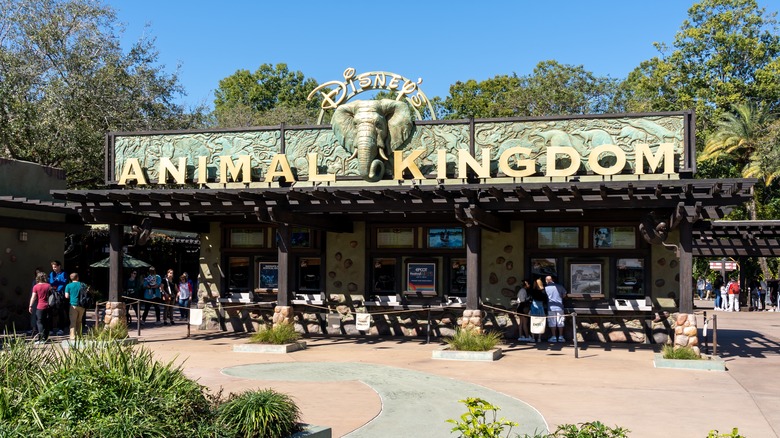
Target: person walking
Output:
[
  {"x": 168, "y": 296},
  {"x": 72, "y": 293},
  {"x": 39, "y": 304},
  {"x": 183, "y": 295},
  {"x": 58, "y": 279},
  {"x": 152, "y": 294},
  {"x": 555, "y": 295},
  {"x": 523, "y": 308}
]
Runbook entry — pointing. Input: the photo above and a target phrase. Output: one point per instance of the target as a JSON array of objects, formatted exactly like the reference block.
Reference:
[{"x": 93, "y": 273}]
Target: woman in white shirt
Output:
[{"x": 183, "y": 295}]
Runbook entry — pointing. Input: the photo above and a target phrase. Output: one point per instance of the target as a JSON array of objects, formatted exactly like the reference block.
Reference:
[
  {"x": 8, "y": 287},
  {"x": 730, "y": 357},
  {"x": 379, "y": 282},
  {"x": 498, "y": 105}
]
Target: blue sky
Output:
[{"x": 441, "y": 42}]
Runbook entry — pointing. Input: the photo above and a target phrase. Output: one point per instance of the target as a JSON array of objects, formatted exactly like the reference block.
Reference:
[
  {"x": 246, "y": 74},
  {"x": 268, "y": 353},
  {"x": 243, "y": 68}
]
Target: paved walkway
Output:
[{"x": 392, "y": 387}]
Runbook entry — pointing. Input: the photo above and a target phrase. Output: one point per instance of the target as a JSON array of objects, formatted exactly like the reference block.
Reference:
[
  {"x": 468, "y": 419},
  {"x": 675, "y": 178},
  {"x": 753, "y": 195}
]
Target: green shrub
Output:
[
  {"x": 593, "y": 429},
  {"x": 475, "y": 424},
  {"x": 473, "y": 340},
  {"x": 686, "y": 353},
  {"x": 283, "y": 333},
  {"x": 734, "y": 434},
  {"x": 263, "y": 413},
  {"x": 108, "y": 333}
]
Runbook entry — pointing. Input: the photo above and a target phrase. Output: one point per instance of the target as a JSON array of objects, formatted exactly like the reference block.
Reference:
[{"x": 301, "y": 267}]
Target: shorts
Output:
[{"x": 555, "y": 318}]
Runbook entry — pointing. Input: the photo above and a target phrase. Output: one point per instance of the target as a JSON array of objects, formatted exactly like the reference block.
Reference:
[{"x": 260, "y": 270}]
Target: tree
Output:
[
  {"x": 726, "y": 52},
  {"x": 551, "y": 89},
  {"x": 269, "y": 96},
  {"x": 65, "y": 82}
]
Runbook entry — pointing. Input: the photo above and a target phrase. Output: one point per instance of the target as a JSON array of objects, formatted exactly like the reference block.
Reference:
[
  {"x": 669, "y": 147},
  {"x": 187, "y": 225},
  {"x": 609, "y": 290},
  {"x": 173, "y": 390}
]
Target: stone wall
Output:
[{"x": 502, "y": 265}]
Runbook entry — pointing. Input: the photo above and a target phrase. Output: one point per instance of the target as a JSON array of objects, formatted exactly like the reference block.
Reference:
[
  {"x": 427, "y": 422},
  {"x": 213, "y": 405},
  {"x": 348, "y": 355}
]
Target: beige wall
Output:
[
  {"x": 345, "y": 262},
  {"x": 665, "y": 269},
  {"x": 502, "y": 264},
  {"x": 210, "y": 274}
]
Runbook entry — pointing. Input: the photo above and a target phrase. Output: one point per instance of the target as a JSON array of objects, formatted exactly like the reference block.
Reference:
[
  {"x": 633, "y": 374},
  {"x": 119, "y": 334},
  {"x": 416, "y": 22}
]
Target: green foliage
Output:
[
  {"x": 279, "y": 334},
  {"x": 551, "y": 89},
  {"x": 473, "y": 340},
  {"x": 269, "y": 96},
  {"x": 476, "y": 424},
  {"x": 734, "y": 434},
  {"x": 66, "y": 82},
  {"x": 264, "y": 413},
  {"x": 685, "y": 353},
  {"x": 593, "y": 429},
  {"x": 108, "y": 333},
  {"x": 107, "y": 391}
]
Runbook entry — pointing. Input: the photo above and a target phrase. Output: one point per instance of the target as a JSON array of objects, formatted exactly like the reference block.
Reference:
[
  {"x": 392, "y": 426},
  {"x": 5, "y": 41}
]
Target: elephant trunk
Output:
[{"x": 370, "y": 167}]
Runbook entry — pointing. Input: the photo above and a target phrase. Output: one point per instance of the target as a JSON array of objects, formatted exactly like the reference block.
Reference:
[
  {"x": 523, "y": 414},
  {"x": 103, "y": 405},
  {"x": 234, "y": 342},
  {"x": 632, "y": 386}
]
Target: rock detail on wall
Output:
[
  {"x": 283, "y": 315},
  {"x": 115, "y": 314},
  {"x": 686, "y": 332},
  {"x": 472, "y": 320}
]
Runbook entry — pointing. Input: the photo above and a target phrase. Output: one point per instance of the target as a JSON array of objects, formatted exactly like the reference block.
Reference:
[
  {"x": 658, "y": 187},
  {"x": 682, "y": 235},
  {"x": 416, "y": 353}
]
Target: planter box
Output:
[
  {"x": 269, "y": 348},
  {"x": 485, "y": 356},
  {"x": 312, "y": 431},
  {"x": 83, "y": 343},
  {"x": 706, "y": 363}
]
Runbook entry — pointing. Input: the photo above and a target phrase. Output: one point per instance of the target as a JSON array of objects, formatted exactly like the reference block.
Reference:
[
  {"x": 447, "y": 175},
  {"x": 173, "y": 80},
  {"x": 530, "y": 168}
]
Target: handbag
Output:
[{"x": 538, "y": 324}]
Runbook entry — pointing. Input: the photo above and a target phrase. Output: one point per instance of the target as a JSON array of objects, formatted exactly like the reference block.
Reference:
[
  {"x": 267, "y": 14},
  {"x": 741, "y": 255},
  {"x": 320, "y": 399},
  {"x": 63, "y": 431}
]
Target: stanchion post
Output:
[
  {"x": 138, "y": 316},
  {"x": 574, "y": 331},
  {"x": 705, "y": 337},
  {"x": 714, "y": 335},
  {"x": 428, "y": 328}
]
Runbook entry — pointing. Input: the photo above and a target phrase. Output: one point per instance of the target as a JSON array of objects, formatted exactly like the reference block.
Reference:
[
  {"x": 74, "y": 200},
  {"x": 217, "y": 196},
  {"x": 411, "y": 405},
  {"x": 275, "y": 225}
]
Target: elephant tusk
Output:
[
  {"x": 382, "y": 154},
  {"x": 352, "y": 157}
]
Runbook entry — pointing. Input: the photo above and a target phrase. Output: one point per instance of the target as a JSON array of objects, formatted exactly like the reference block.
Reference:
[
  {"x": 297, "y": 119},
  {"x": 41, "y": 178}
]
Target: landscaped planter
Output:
[
  {"x": 706, "y": 363},
  {"x": 486, "y": 356},
  {"x": 311, "y": 431},
  {"x": 269, "y": 348},
  {"x": 83, "y": 343}
]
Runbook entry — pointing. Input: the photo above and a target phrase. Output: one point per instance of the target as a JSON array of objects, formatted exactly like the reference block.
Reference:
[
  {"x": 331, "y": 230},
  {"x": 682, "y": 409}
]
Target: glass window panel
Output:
[
  {"x": 247, "y": 238},
  {"x": 395, "y": 237},
  {"x": 238, "y": 274},
  {"x": 630, "y": 276},
  {"x": 383, "y": 276},
  {"x": 458, "y": 277},
  {"x": 300, "y": 238},
  {"x": 558, "y": 237},
  {"x": 309, "y": 274}
]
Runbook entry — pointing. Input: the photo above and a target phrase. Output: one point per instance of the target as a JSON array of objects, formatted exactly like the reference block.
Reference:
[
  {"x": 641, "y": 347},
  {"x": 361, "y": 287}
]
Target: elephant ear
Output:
[
  {"x": 344, "y": 126},
  {"x": 399, "y": 122}
]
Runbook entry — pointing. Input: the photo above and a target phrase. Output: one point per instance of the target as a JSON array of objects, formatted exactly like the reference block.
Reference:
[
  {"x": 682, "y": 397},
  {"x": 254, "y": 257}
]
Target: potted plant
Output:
[
  {"x": 279, "y": 338},
  {"x": 471, "y": 344}
]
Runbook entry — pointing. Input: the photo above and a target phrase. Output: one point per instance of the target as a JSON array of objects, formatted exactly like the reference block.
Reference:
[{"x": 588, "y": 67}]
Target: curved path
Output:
[{"x": 412, "y": 401}]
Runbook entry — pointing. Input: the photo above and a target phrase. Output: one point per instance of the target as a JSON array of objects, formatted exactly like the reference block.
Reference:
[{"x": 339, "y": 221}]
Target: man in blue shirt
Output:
[
  {"x": 58, "y": 279},
  {"x": 72, "y": 293}
]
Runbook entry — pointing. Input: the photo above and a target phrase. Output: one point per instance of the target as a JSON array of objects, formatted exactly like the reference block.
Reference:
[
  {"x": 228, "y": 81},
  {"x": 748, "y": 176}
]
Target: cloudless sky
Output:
[{"x": 440, "y": 41}]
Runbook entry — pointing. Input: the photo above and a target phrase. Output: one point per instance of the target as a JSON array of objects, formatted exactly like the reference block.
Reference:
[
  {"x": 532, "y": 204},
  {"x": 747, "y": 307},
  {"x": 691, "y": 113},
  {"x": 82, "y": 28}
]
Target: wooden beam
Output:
[
  {"x": 521, "y": 193},
  {"x": 349, "y": 196},
  {"x": 477, "y": 216},
  {"x": 548, "y": 192},
  {"x": 497, "y": 193},
  {"x": 333, "y": 223},
  {"x": 107, "y": 217},
  {"x": 322, "y": 195}
]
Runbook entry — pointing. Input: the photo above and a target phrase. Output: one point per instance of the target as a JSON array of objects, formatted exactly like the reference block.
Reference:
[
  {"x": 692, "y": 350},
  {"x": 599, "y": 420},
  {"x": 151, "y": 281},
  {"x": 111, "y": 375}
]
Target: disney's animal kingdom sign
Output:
[{"x": 378, "y": 141}]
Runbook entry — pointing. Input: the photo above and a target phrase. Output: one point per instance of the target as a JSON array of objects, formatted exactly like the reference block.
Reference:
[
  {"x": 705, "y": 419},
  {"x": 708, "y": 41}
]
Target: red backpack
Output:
[{"x": 734, "y": 288}]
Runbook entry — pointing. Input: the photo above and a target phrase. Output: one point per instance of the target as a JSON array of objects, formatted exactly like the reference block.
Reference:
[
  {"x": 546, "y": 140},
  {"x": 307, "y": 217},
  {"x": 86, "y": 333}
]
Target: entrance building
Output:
[{"x": 383, "y": 214}]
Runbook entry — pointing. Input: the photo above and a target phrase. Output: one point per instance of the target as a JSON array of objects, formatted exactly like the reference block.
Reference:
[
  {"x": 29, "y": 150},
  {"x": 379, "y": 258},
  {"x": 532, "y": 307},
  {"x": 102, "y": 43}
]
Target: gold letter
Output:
[
  {"x": 313, "y": 175},
  {"x": 552, "y": 154},
  {"x": 528, "y": 164},
  {"x": 132, "y": 170},
  {"x": 597, "y": 168},
  {"x": 643, "y": 153},
  {"x": 465, "y": 159},
  {"x": 402, "y": 163},
  {"x": 226, "y": 165},
  {"x": 166, "y": 166},
  {"x": 202, "y": 170},
  {"x": 279, "y": 160},
  {"x": 441, "y": 163}
]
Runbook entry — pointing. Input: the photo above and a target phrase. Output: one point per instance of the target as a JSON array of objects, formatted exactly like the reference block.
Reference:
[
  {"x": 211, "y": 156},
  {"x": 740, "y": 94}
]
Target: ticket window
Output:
[
  {"x": 458, "y": 277},
  {"x": 310, "y": 274},
  {"x": 238, "y": 276}
]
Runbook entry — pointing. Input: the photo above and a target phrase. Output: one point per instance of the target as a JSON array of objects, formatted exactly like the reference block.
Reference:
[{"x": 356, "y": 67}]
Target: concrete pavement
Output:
[{"x": 368, "y": 386}]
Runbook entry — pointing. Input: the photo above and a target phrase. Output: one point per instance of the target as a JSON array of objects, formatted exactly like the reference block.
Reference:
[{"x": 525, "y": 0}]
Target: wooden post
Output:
[
  {"x": 115, "y": 262},
  {"x": 686, "y": 267},
  {"x": 283, "y": 243},
  {"x": 473, "y": 243}
]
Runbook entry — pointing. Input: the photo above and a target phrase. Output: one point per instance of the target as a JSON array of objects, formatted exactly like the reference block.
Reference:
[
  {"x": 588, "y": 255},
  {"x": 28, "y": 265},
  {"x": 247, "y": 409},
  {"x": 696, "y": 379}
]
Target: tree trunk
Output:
[{"x": 761, "y": 260}]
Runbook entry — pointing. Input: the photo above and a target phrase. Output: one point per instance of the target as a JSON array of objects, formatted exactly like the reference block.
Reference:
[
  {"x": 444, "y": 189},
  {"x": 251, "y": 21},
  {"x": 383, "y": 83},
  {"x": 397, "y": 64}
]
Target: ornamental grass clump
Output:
[
  {"x": 264, "y": 413},
  {"x": 684, "y": 353},
  {"x": 279, "y": 334},
  {"x": 473, "y": 340},
  {"x": 108, "y": 333}
]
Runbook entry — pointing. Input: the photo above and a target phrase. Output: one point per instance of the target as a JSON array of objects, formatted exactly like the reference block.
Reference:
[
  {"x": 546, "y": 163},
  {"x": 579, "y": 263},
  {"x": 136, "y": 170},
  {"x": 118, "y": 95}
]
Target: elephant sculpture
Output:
[{"x": 369, "y": 130}]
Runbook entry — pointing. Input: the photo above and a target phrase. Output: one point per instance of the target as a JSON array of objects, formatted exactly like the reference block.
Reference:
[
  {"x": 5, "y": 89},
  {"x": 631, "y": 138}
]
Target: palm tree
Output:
[{"x": 742, "y": 137}]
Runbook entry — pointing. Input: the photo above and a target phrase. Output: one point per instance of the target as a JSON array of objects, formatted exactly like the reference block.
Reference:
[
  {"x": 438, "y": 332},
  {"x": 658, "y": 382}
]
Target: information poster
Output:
[
  {"x": 395, "y": 238},
  {"x": 269, "y": 275},
  {"x": 559, "y": 237},
  {"x": 421, "y": 277}
]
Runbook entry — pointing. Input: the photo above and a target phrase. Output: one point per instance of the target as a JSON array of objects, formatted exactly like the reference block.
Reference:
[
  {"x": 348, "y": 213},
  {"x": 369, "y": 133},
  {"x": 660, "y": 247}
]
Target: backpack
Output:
[
  {"x": 85, "y": 297},
  {"x": 55, "y": 299}
]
